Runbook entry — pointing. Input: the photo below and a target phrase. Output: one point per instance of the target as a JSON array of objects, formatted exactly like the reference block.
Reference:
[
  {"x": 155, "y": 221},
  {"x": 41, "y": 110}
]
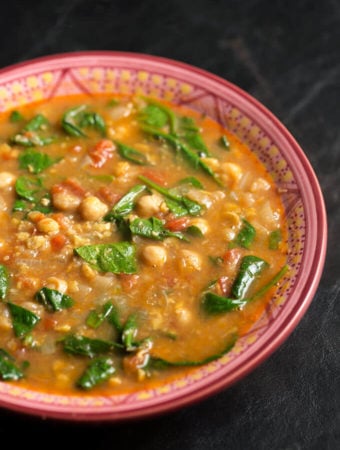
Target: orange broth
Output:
[{"x": 151, "y": 310}]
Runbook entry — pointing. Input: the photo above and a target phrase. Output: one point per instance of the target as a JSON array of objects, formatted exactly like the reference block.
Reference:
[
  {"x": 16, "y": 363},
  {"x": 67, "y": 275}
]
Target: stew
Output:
[{"x": 138, "y": 239}]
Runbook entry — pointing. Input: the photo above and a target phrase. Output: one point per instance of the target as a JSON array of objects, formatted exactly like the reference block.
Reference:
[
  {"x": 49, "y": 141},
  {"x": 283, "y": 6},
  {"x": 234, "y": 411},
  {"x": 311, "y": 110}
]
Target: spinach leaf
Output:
[
  {"x": 32, "y": 140},
  {"x": 94, "y": 120},
  {"x": 35, "y": 162},
  {"x": 216, "y": 304},
  {"x": 85, "y": 346},
  {"x": 275, "y": 237},
  {"x": 28, "y": 187},
  {"x": 32, "y": 195},
  {"x": 129, "y": 333},
  {"x": 189, "y": 131},
  {"x": 118, "y": 257},
  {"x": 179, "y": 205},
  {"x": 53, "y": 300},
  {"x": 16, "y": 116},
  {"x": 153, "y": 228},
  {"x": 69, "y": 121},
  {"x": 114, "y": 319},
  {"x": 38, "y": 122},
  {"x": 98, "y": 371},
  {"x": 126, "y": 204},
  {"x": 8, "y": 370},
  {"x": 160, "y": 363},
  {"x": 131, "y": 154},
  {"x": 29, "y": 136},
  {"x": 224, "y": 142},
  {"x": 95, "y": 318},
  {"x": 23, "y": 319},
  {"x": 251, "y": 266},
  {"x": 74, "y": 119},
  {"x": 158, "y": 115},
  {"x": 4, "y": 281},
  {"x": 245, "y": 236}
]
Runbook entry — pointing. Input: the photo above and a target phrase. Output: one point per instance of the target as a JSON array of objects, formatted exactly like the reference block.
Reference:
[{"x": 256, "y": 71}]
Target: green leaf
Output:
[
  {"x": 39, "y": 122},
  {"x": 35, "y": 162},
  {"x": 74, "y": 119},
  {"x": 131, "y": 154},
  {"x": 23, "y": 320},
  {"x": 118, "y": 257},
  {"x": 94, "y": 120},
  {"x": 114, "y": 319},
  {"x": 15, "y": 117},
  {"x": 224, "y": 142},
  {"x": 126, "y": 204},
  {"x": 32, "y": 140},
  {"x": 158, "y": 115},
  {"x": 85, "y": 346},
  {"x": 271, "y": 283},
  {"x": 190, "y": 133},
  {"x": 129, "y": 333},
  {"x": 95, "y": 318},
  {"x": 97, "y": 372},
  {"x": 29, "y": 136},
  {"x": 179, "y": 205},
  {"x": 8, "y": 370},
  {"x": 250, "y": 268},
  {"x": 192, "y": 181},
  {"x": 154, "y": 115},
  {"x": 32, "y": 195},
  {"x": 152, "y": 228},
  {"x": 160, "y": 363},
  {"x": 53, "y": 300},
  {"x": 28, "y": 187},
  {"x": 246, "y": 235},
  {"x": 274, "y": 240},
  {"x": 187, "y": 153},
  {"x": 69, "y": 121},
  {"x": 4, "y": 281},
  {"x": 216, "y": 304}
]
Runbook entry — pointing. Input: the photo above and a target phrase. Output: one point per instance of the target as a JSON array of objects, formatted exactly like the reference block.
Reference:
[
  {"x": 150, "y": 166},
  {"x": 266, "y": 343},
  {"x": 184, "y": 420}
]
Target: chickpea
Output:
[
  {"x": 154, "y": 255},
  {"x": 260, "y": 184},
  {"x": 148, "y": 205},
  {"x": 48, "y": 225},
  {"x": 91, "y": 208},
  {"x": 65, "y": 201},
  {"x": 190, "y": 260},
  {"x": 7, "y": 180},
  {"x": 232, "y": 173},
  {"x": 57, "y": 283},
  {"x": 201, "y": 224}
]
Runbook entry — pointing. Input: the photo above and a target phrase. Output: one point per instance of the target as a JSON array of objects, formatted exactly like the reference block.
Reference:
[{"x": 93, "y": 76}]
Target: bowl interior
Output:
[{"x": 110, "y": 72}]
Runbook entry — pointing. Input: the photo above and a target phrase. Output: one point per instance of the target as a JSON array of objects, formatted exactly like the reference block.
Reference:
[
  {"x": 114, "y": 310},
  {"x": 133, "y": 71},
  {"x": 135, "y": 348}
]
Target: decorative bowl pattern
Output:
[{"x": 110, "y": 72}]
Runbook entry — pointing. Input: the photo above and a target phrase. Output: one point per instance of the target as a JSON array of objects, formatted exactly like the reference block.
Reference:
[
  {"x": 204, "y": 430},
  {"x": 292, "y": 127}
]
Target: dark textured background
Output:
[{"x": 287, "y": 55}]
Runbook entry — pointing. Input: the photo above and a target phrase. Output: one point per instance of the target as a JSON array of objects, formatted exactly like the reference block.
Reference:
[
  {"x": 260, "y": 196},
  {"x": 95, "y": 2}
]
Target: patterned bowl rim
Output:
[{"x": 305, "y": 286}]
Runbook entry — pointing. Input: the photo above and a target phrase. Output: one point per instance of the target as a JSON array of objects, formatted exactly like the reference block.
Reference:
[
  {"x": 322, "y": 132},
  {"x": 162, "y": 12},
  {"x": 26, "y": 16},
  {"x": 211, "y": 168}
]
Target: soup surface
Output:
[{"x": 138, "y": 239}]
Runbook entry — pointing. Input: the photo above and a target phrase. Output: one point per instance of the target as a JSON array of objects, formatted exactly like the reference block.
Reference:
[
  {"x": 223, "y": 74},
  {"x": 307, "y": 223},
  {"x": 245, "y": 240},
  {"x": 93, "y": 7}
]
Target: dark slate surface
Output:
[{"x": 287, "y": 55}]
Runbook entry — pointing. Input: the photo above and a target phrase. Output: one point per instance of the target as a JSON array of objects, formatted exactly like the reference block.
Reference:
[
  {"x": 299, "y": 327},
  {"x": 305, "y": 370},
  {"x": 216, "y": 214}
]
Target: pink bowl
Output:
[{"x": 96, "y": 72}]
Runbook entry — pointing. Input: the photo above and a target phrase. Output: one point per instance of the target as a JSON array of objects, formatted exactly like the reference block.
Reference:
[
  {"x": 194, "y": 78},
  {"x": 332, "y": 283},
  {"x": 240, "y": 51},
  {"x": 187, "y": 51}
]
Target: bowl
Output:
[{"x": 254, "y": 124}]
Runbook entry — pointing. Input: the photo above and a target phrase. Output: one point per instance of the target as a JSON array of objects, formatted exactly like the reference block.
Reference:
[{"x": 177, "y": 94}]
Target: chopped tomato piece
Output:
[
  {"x": 101, "y": 152},
  {"x": 224, "y": 285},
  {"x": 128, "y": 281},
  {"x": 232, "y": 256},
  {"x": 58, "y": 242},
  {"x": 70, "y": 185},
  {"x": 178, "y": 224},
  {"x": 155, "y": 176},
  {"x": 106, "y": 194}
]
